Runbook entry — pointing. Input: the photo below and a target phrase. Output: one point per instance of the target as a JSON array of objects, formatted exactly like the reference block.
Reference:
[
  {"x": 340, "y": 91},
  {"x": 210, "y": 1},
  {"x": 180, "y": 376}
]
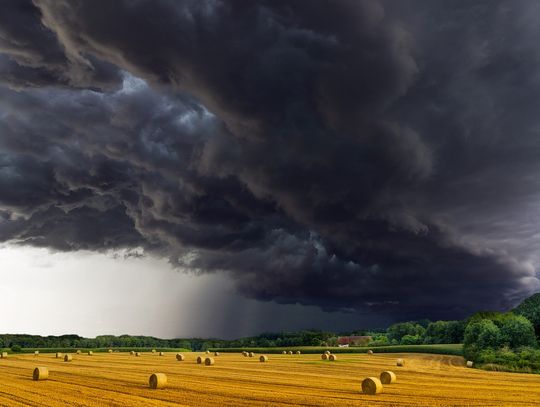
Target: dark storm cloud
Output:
[{"x": 345, "y": 154}]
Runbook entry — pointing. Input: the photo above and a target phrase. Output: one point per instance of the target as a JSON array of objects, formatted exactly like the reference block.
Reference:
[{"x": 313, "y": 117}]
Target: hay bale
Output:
[
  {"x": 90, "y": 353},
  {"x": 157, "y": 381},
  {"x": 372, "y": 385},
  {"x": 250, "y": 354},
  {"x": 263, "y": 358},
  {"x": 332, "y": 358},
  {"x": 370, "y": 352},
  {"x": 216, "y": 353},
  {"x": 244, "y": 353},
  {"x": 40, "y": 373},
  {"x": 207, "y": 352},
  {"x": 3, "y": 355},
  {"x": 36, "y": 352},
  {"x": 161, "y": 354},
  {"x": 199, "y": 360},
  {"x": 470, "y": 363},
  {"x": 284, "y": 352},
  {"x": 110, "y": 350},
  {"x": 209, "y": 361},
  {"x": 132, "y": 353},
  {"x": 324, "y": 356},
  {"x": 137, "y": 353},
  {"x": 400, "y": 362},
  {"x": 68, "y": 358},
  {"x": 59, "y": 355},
  {"x": 327, "y": 352},
  {"x": 78, "y": 351},
  {"x": 290, "y": 352},
  {"x": 180, "y": 357},
  {"x": 298, "y": 352},
  {"x": 153, "y": 351},
  {"x": 388, "y": 377}
]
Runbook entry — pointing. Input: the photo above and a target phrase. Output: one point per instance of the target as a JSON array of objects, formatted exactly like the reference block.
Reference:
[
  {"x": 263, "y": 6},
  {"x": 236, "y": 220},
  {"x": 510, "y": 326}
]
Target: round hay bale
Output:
[
  {"x": 388, "y": 377},
  {"x": 216, "y": 353},
  {"x": 153, "y": 351},
  {"x": 263, "y": 358},
  {"x": 209, "y": 361},
  {"x": 161, "y": 354},
  {"x": 199, "y": 360},
  {"x": 400, "y": 362},
  {"x": 90, "y": 353},
  {"x": 290, "y": 352},
  {"x": 298, "y": 352},
  {"x": 137, "y": 353},
  {"x": 284, "y": 352},
  {"x": 157, "y": 381},
  {"x": 36, "y": 352},
  {"x": 250, "y": 354},
  {"x": 78, "y": 351},
  {"x": 470, "y": 363},
  {"x": 40, "y": 373},
  {"x": 244, "y": 353},
  {"x": 370, "y": 352},
  {"x": 372, "y": 385},
  {"x": 3, "y": 355},
  {"x": 207, "y": 352},
  {"x": 59, "y": 355},
  {"x": 68, "y": 358},
  {"x": 332, "y": 358},
  {"x": 132, "y": 353},
  {"x": 110, "y": 350},
  {"x": 180, "y": 357},
  {"x": 327, "y": 352},
  {"x": 324, "y": 356}
]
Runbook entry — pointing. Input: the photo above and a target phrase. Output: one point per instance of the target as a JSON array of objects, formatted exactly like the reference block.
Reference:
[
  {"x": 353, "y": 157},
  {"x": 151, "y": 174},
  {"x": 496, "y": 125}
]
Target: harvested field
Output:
[{"x": 118, "y": 380}]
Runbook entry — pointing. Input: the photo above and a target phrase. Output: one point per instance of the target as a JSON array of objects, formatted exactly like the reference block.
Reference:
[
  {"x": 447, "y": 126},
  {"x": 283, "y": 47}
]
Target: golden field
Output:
[{"x": 119, "y": 379}]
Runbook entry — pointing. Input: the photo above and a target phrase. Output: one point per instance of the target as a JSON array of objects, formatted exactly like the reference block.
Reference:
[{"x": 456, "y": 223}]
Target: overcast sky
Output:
[{"x": 226, "y": 167}]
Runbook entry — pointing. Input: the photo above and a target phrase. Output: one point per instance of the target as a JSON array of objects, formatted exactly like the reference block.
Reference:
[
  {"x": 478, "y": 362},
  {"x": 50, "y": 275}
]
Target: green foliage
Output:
[
  {"x": 397, "y": 331},
  {"x": 517, "y": 331},
  {"x": 525, "y": 359},
  {"x": 16, "y": 348},
  {"x": 530, "y": 309},
  {"x": 445, "y": 332},
  {"x": 411, "y": 340}
]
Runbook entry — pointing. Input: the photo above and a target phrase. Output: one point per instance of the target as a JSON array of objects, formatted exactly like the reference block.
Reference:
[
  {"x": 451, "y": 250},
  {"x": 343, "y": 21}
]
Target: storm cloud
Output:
[{"x": 356, "y": 155}]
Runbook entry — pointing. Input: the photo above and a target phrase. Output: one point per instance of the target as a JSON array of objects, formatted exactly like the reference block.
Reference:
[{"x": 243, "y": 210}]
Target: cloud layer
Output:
[{"x": 355, "y": 155}]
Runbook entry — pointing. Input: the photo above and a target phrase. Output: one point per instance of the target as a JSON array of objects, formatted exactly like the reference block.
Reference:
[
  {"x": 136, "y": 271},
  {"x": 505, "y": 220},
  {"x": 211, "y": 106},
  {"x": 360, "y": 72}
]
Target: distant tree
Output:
[{"x": 397, "y": 331}]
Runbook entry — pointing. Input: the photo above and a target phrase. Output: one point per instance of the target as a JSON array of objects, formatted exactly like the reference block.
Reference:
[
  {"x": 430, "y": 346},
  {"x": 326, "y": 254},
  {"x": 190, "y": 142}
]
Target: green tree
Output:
[
  {"x": 530, "y": 309},
  {"x": 479, "y": 336},
  {"x": 517, "y": 331},
  {"x": 398, "y": 331}
]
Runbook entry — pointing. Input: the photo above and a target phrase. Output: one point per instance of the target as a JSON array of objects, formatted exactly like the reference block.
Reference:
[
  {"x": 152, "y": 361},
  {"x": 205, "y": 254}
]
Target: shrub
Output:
[{"x": 16, "y": 348}]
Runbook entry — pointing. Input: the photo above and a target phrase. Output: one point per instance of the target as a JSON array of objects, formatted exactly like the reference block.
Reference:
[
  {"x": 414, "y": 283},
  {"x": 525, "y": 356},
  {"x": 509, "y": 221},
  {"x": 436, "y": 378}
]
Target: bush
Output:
[{"x": 16, "y": 348}]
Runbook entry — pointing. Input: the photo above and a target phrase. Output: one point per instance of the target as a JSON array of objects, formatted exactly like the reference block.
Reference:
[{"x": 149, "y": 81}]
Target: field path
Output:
[{"x": 119, "y": 379}]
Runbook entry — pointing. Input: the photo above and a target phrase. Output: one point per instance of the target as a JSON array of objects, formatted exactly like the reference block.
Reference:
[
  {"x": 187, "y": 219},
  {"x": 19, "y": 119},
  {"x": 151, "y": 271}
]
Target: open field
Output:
[{"x": 119, "y": 379}]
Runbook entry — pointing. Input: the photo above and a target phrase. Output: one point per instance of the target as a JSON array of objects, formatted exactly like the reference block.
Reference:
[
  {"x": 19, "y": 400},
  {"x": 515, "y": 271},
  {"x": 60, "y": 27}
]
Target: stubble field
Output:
[{"x": 119, "y": 379}]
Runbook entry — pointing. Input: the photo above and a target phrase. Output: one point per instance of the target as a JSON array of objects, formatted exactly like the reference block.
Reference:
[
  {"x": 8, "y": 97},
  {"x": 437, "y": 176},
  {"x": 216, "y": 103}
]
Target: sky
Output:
[{"x": 227, "y": 167}]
